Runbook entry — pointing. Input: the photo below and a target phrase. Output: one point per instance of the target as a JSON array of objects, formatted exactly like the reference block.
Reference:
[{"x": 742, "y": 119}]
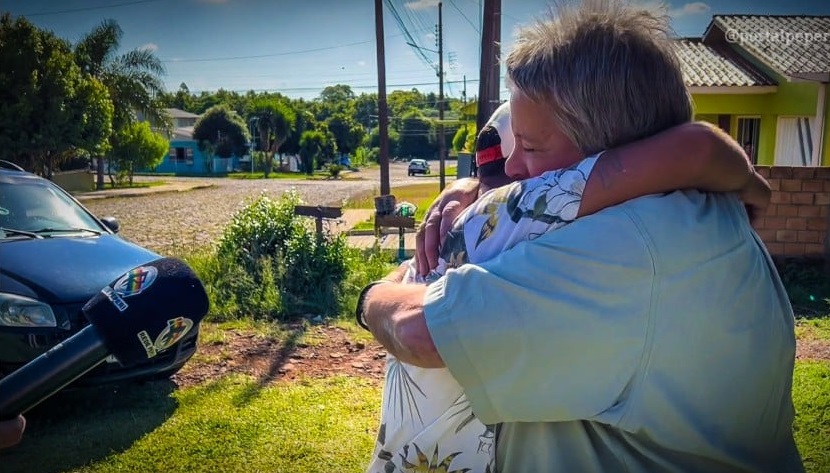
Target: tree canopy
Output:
[
  {"x": 47, "y": 105},
  {"x": 137, "y": 146},
  {"x": 222, "y": 131}
]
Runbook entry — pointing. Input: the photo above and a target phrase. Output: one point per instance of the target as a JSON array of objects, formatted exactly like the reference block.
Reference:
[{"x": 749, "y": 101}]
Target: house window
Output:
[
  {"x": 184, "y": 155},
  {"x": 749, "y": 131},
  {"x": 794, "y": 141}
]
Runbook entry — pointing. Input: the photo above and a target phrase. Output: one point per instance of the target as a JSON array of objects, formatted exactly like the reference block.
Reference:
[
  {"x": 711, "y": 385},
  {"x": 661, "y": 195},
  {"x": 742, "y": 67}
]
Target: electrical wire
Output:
[{"x": 99, "y": 7}]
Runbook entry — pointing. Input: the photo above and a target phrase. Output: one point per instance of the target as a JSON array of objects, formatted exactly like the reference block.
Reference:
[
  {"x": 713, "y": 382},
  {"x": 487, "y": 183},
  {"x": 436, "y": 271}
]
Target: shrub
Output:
[
  {"x": 235, "y": 292},
  {"x": 260, "y": 229},
  {"x": 270, "y": 263},
  {"x": 335, "y": 170}
]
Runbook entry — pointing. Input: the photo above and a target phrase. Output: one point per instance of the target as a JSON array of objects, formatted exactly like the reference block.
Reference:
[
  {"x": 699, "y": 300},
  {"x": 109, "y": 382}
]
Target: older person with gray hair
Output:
[{"x": 654, "y": 335}]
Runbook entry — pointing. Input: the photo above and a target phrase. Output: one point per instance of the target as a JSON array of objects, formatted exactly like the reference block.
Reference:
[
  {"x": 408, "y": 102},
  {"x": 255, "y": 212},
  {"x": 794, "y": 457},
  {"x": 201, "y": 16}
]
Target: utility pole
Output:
[
  {"x": 442, "y": 145},
  {"x": 464, "y": 93},
  {"x": 489, "y": 80},
  {"x": 383, "y": 114}
]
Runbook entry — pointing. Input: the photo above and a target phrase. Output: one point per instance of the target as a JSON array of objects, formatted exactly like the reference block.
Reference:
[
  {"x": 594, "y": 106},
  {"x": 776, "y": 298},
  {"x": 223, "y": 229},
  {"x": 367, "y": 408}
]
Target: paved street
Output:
[{"x": 173, "y": 222}]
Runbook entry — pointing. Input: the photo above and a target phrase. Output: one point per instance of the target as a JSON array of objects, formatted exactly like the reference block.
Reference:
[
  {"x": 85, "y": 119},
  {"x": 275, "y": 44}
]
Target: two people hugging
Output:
[{"x": 611, "y": 308}]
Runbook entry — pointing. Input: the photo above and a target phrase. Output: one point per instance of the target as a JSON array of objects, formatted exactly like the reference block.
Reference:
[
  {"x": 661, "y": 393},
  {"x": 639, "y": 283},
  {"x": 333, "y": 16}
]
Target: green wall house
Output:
[{"x": 764, "y": 80}]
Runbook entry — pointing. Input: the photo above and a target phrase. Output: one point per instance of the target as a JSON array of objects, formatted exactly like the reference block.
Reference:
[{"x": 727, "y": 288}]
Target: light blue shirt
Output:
[{"x": 652, "y": 336}]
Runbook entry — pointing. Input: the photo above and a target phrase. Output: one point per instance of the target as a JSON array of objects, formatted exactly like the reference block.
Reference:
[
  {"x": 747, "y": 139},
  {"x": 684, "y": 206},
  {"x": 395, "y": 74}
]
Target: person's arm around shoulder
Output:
[
  {"x": 11, "y": 431},
  {"x": 690, "y": 156}
]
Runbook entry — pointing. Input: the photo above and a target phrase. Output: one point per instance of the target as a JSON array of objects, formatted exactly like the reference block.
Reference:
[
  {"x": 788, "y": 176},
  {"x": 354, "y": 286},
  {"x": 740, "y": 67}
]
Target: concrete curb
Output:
[{"x": 141, "y": 191}]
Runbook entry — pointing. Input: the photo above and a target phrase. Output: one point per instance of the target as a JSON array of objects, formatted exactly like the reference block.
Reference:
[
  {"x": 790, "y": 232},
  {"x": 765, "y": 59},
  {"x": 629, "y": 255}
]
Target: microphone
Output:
[{"x": 139, "y": 315}]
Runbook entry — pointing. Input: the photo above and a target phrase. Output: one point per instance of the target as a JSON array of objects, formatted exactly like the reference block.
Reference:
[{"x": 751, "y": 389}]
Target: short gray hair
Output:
[{"x": 608, "y": 70}]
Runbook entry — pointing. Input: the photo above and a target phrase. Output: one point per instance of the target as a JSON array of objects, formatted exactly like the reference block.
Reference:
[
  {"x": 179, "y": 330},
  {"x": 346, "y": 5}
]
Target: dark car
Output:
[
  {"x": 55, "y": 255},
  {"x": 418, "y": 166}
]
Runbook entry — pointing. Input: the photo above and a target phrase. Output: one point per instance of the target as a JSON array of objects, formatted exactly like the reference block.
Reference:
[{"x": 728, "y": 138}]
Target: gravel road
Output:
[{"x": 170, "y": 223}]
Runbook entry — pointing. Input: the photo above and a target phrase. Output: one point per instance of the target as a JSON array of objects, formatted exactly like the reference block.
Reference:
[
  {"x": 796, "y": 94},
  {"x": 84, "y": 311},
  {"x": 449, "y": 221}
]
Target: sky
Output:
[{"x": 299, "y": 47}]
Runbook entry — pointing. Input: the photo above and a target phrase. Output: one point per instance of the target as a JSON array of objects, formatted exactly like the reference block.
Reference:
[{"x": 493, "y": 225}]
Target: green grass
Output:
[
  {"x": 232, "y": 425},
  {"x": 272, "y": 175},
  {"x": 135, "y": 185},
  {"x": 813, "y": 329},
  {"x": 316, "y": 176},
  {"x": 811, "y": 396},
  {"x": 422, "y": 195}
]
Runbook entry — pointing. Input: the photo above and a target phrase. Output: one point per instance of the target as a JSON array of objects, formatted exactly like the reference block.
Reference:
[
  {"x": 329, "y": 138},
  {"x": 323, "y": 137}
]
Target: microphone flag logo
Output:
[{"x": 135, "y": 281}]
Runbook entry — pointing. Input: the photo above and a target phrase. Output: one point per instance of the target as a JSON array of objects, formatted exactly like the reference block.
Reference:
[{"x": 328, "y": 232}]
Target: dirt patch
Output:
[
  {"x": 333, "y": 352},
  {"x": 813, "y": 350},
  {"x": 270, "y": 360}
]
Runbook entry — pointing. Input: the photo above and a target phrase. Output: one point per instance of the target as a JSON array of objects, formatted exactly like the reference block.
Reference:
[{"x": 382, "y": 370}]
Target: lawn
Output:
[
  {"x": 229, "y": 425},
  {"x": 421, "y": 195}
]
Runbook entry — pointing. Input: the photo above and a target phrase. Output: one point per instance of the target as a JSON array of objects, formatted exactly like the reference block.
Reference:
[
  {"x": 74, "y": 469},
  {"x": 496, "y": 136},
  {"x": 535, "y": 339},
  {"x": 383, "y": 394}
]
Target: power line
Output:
[
  {"x": 283, "y": 75},
  {"x": 309, "y": 89},
  {"x": 259, "y": 56},
  {"x": 475, "y": 28},
  {"x": 100, "y": 7},
  {"x": 407, "y": 34}
]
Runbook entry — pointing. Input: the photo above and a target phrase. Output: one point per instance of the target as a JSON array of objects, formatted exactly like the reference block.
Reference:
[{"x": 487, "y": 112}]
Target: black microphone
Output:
[{"x": 139, "y": 315}]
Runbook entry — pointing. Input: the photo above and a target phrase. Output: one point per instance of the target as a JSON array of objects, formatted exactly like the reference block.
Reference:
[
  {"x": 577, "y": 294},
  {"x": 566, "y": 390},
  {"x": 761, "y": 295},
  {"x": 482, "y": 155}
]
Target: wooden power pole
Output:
[
  {"x": 442, "y": 141},
  {"x": 489, "y": 77},
  {"x": 383, "y": 113}
]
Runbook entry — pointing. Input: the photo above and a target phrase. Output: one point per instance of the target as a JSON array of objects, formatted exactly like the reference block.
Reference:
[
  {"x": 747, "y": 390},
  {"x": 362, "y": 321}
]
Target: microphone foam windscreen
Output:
[{"x": 148, "y": 310}]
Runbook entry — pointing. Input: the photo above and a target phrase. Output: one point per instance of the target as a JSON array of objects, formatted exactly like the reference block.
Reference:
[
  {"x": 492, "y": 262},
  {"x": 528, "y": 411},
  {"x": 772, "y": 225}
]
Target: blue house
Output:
[{"x": 184, "y": 156}]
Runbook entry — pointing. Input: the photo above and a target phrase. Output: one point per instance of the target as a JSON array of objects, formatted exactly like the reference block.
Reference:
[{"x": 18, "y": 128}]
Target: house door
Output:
[{"x": 794, "y": 142}]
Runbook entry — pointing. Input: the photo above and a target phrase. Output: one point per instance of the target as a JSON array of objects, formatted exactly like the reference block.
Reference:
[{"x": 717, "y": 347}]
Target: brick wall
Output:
[{"x": 795, "y": 224}]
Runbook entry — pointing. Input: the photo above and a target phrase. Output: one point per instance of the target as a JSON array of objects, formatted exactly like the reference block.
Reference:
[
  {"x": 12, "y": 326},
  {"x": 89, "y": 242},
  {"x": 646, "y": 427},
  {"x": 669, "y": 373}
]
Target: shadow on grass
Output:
[
  {"x": 80, "y": 426},
  {"x": 288, "y": 345}
]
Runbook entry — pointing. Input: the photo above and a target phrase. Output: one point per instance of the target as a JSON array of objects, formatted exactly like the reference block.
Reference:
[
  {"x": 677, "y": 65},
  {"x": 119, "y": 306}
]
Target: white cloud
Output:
[
  {"x": 421, "y": 4},
  {"x": 694, "y": 8},
  {"x": 152, "y": 47}
]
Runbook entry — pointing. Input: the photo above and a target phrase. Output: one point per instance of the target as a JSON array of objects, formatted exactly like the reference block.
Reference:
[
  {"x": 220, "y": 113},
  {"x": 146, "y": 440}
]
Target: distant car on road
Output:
[
  {"x": 418, "y": 166},
  {"x": 55, "y": 255}
]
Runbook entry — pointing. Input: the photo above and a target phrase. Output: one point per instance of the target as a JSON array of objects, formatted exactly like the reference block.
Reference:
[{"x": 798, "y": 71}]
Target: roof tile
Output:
[
  {"x": 705, "y": 67},
  {"x": 788, "y": 44}
]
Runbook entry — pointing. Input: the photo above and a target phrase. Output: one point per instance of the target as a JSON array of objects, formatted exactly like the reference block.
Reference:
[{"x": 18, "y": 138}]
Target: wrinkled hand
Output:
[
  {"x": 438, "y": 221},
  {"x": 11, "y": 431}
]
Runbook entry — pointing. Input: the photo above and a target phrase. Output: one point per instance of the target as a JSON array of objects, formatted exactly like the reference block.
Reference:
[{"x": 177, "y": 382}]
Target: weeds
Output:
[{"x": 269, "y": 265}]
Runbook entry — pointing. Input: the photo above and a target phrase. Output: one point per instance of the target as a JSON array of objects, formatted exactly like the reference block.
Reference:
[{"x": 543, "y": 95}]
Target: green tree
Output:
[
  {"x": 305, "y": 122},
  {"x": 311, "y": 149},
  {"x": 403, "y": 102},
  {"x": 274, "y": 121},
  {"x": 366, "y": 110},
  {"x": 373, "y": 140},
  {"x": 182, "y": 99},
  {"x": 48, "y": 108},
  {"x": 221, "y": 131},
  {"x": 414, "y": 136},
  {"x": 346, "y": 131},
  {"x": 137, "y": 146},
  {"x": 133, "y": 79},
  {"x": 459, "y": 141}
]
